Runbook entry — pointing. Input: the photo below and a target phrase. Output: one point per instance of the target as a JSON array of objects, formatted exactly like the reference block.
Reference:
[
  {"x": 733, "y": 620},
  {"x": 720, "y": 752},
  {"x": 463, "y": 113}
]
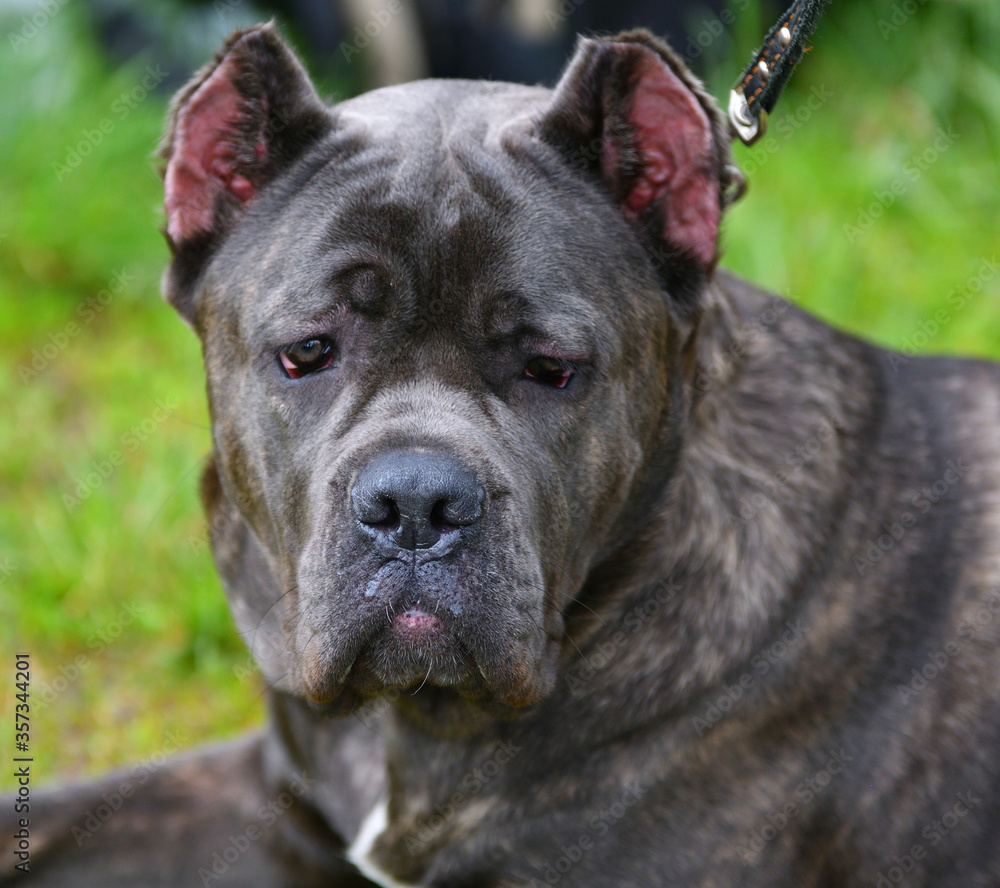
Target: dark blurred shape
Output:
[
  {"x": 530, "y": 41},
  {"x": 364, "y": 43}
]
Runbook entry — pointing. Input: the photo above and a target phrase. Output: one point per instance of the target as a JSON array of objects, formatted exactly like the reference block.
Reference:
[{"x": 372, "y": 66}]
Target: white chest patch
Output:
[{"x": 371, "y": 829}]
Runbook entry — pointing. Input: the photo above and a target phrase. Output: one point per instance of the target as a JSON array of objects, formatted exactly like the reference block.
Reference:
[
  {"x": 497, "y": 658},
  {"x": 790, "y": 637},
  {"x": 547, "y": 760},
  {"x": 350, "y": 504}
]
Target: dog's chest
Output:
[
  {"x": 360, "y": 851},
  {"x": 412, "y": 851}
]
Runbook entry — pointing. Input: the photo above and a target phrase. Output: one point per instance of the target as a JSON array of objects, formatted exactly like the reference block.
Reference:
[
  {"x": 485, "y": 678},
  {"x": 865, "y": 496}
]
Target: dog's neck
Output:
[{"x": 745, "y": 525}]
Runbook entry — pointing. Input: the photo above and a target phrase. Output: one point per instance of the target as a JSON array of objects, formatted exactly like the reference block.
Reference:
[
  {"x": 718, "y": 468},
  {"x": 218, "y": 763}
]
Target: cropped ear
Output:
[
  {"x": 629, "y": 111},
  {"x": 240, "y": 121}
]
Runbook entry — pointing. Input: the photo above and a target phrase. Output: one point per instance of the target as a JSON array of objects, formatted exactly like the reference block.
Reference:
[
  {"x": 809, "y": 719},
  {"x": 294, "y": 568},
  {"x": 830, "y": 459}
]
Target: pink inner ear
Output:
[
  {"x": 674, "y": 137},
  {"x": 202, "y": 164}
]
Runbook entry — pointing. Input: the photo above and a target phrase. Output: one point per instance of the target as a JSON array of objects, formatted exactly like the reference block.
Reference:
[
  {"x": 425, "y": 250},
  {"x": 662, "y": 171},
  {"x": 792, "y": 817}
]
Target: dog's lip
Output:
[
  {"x": 415, "y": 625},
  {"x": 426, "y": 636}
]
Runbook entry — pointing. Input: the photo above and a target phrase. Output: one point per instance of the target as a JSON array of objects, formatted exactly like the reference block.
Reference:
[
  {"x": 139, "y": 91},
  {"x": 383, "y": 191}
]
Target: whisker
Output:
[
  {"x": 573, "y": 598},
  {"x": 428, "y": 675}
]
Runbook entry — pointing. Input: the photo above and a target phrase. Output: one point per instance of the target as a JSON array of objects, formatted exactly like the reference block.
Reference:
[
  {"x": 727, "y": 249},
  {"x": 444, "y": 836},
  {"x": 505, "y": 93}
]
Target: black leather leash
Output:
[{"x": 758, "y": 88}]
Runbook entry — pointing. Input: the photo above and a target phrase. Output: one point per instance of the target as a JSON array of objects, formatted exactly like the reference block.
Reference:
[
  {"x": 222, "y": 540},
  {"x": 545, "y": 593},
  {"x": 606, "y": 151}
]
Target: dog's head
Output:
[{"x": 445, "y": 326}]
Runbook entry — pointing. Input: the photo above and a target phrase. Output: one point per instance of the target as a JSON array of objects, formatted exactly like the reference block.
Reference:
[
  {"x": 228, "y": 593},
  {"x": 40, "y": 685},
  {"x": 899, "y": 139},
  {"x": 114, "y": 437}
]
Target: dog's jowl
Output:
[{"x": 568, "y": 558}]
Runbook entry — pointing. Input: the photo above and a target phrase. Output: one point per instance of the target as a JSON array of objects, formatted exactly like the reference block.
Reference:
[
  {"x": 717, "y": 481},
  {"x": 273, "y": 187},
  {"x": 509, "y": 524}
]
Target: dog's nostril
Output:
[
  {"x": 437, "y": 517},
  {"x": 446, "y": 517},
  {"x": 461, "y": 510},
  {"x": 411, "y": 498},
  {"x": 383, "y": 514},
  {"x": 374, "y": 508}
]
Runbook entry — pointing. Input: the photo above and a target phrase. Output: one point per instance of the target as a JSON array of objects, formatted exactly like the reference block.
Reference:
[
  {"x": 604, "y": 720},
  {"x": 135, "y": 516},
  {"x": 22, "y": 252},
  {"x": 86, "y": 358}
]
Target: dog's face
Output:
[{"x": 444, "y": 329}]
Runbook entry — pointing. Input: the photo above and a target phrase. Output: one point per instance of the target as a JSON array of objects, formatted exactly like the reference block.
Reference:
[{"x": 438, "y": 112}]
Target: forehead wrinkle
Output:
[
  {"x": 311, "y": 297},
  {"x": 310, "y": 306},
  {"x": 524, "y": 314},
  {"x": 485, "y": 209},
  {"x": 418, "y": 160},
  {"x": 564, "y": 333}
]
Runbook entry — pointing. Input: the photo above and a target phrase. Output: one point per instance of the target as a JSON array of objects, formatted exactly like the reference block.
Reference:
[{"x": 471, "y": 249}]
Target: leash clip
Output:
[
  {"x": 746, "y": 126},
  {"x": 769, "y": 69}
]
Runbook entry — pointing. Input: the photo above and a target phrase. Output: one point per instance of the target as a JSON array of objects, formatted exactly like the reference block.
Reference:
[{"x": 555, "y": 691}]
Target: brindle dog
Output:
[{"x": 568, "y": 558}]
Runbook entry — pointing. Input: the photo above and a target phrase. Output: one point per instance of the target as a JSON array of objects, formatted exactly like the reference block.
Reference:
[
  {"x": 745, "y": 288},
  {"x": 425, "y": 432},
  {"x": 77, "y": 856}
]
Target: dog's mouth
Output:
[
  {"x": 410, "y": 634},
  {"x": 415, "y": 648}
]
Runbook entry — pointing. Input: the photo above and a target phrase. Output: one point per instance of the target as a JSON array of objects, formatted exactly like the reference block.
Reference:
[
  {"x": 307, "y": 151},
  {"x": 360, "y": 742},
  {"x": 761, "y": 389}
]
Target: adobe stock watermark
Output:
[
  {"x": 912, "y": 170},
  {"x": 796, "y": 459},
  {"x": 711, "y": 29},
  {"x": 431, "y": 312},
  {"x": 935, "y": 831},
  {"x": 781, "y": 128},
  {"x": 935, "y": 664},
  {"x": 248, "y": 668},
  {"x": 219, "y": 524},
  {"x": 266, "y": 817},
  {"x": 805, "y": 794},
  {"x": 46, "y": 693},
  {"x": 606, "y": 652},
  {"x": 706, "y": 377},
  {"x": 223, "y": 7},
  {"x": 955, "y": 301},
  {"x": 472, "y": 784},
  {"x": 922, "y": 500},
  {"x": 564, "y": 9},
  {"x": 370, "y": 715},
  {"x": 760, "y": 664},
  {"x": 86, "y": 312},
  {"x": 901, "y": 13},
  {"x": 101, "y": 470},
  {"x": 599, "y": 825},
  {"x": 116, "y": 799},
  {"x": 7, "y": 570},
  {"x": 702, "y": 35},
  {"x": 32, "y": 26},
  {"x": 92, "y": 137},
  {"x": 365, "y": 33}
]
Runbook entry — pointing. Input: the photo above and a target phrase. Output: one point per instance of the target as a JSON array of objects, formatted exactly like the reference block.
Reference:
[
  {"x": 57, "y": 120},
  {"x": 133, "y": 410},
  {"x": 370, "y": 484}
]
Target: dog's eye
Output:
[
  {"x": 306, "y": 356},
  {"x": 549, "y": 371}
]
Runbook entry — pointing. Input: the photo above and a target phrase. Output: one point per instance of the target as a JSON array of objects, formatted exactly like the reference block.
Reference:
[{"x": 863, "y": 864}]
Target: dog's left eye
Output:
[
  {"x": 306, "y": 356},
  {"x": 549, "y": 371}
]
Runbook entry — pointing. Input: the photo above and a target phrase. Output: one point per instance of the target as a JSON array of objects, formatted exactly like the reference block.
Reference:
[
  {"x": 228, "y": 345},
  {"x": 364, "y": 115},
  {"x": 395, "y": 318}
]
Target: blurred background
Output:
[{"x": 874, "y": 202}]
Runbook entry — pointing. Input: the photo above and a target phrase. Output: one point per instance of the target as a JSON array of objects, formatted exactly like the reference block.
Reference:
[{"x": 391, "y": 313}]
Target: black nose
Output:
[{"x": 411, "y": 498}]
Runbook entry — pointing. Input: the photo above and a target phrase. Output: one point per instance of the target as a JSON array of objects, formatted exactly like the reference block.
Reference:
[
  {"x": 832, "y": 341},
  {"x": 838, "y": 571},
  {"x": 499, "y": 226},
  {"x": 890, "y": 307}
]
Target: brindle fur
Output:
[{"x": 702, "y": 510}]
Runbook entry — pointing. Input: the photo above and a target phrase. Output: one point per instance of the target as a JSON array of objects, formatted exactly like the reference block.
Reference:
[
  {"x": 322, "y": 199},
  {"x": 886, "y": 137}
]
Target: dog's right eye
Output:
[
  {"x": 306, "y": 356},
  {"x": 549, "y": 371}
]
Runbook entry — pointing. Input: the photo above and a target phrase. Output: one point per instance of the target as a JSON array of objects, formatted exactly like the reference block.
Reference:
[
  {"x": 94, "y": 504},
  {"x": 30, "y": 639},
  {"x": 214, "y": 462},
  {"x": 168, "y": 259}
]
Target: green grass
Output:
[
  {"x": 137, "y": 537},
  {"x": 133, "y": 548},
  {"x": 818, "y": 170}
]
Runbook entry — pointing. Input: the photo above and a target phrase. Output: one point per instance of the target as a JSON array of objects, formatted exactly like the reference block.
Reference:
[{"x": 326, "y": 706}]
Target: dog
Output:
[{"x": 568, "y": 557}]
